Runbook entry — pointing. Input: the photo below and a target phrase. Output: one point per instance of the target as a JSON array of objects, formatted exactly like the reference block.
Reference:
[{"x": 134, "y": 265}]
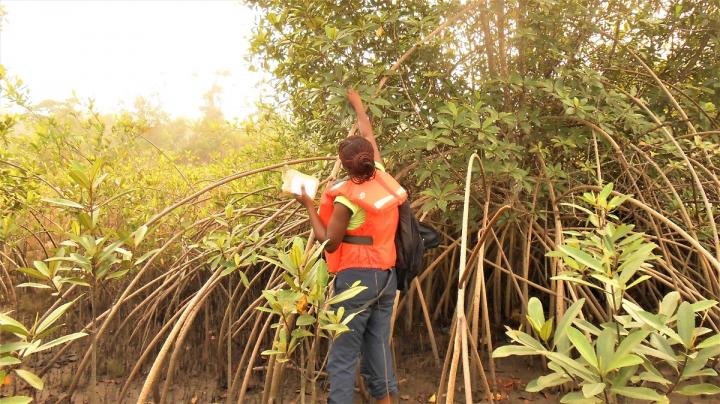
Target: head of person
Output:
[{"x": 356, "y": 156}]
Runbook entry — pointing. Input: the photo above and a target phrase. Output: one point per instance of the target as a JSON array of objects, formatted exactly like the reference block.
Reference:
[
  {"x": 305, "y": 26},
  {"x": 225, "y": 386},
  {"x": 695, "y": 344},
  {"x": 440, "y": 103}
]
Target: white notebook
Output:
[{"x": 293, "y": 181}]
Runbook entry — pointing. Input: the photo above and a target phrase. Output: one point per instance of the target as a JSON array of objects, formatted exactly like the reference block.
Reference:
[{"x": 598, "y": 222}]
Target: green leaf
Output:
[
  {"x": 582, "y": 257},
  {"x": 525, "y": 339},
  {"x": 623, "y": 376},
  {"x": 661, "y": 343},
  {"x": 61, "y": 340},
  {"x": 712, "y": 341},
  {"x": 695, "y": 364},
  {"x": 270, "y": 352},
  {"x": 574, "y": 367},
  {"x": 14, "y": 346},
  {"x": 244, "y": 279},
  {"x": 9, "y": 360},
  {"x": 42, "y": 268},
  {"x": 117, "y": 274},
  {"x": 376, "y": 111},
  {"x": 31, "y": 378},
  {"x": 63, "y": 202},
  {"x": 9, "y": 324},
  {"x": 637, "y": 281},
  {"x": 139, "y": 235},
  {"x": 269, "y": 295},
  {"x": 347, "y": 319},
  {"x": 547, "y": 329},
  {"x": 227, "y": 271},
  {"x": 330, "y": 31},
  {"x": 79, "y": 177},
  {"x": 536, "y": 315},
  {"x": 334, "y": 327},
  {"x": 607, "y": 281},
  {"x": 544, "y": 382},
  {"x": 305, "y": 319},
  {"x": 33, "y": 272},
  {"x": 617, "y": 200},
  {"x": 76, "y": 281},
  {"x": 347, "y": 294},
  {"x": 642, "y": 316},
  {"x": 52, "y": 317},
  {"x": 653, "y": 378},
  {"x": 577, "y": 397},
  {"x": 703, "y": 305},
  {"x": 272, "y": 261},
  {"x": 592, "y": 389},
  {"x": 698, "y": 389},
  {"x": 34, "y": 285},
  {"x": 586, "y": 326},
  {"x": 574, "y": 279},
  {"x": 583, "y": 346},
  {"x": 16, "y": 400},
  {"x": 633, "y": 262},
  {"x": 640, "y": 393},
  {"x": 510, "y": 350},
  {"x": 628, "y": 345},
  {"x": 605, "y": 346},
  {"x": 602, "y": 197},
  {"x": 702, "y": 372},
  {"x": 575, "y": 206},
  {"x": 627, "y": 360},
  {"x": 146, "y": 256},
  {"x": 686, "y": 323},
  {"x": 570, "y": 314}
]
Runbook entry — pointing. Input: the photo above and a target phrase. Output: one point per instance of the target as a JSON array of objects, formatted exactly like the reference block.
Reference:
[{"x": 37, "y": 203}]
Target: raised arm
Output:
[{"x": 363, "y": 122}]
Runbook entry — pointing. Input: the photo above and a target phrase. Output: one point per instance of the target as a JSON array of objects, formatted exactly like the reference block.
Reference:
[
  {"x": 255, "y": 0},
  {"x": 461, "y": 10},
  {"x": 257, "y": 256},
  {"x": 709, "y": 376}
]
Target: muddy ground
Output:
[{"x": 417, "y": 373}]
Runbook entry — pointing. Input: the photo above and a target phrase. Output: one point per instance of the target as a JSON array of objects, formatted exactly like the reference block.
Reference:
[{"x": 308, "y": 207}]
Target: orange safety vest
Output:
[{"x": 379, "y": 197}]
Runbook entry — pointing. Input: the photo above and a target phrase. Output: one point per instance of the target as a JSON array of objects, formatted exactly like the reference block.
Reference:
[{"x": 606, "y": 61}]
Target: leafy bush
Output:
[
  {"x": 20, "y": 342},
  {"x": 635, "y": 353},
  {"x": 303, "y": 300}
]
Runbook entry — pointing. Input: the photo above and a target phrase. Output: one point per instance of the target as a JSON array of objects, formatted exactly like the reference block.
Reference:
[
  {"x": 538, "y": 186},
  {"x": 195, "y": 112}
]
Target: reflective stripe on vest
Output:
[{"x": 381, "y": 218}]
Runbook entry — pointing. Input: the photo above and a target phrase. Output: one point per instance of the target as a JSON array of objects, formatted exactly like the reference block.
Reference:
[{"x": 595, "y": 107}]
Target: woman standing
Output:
[{"x": 358, "y": 218}]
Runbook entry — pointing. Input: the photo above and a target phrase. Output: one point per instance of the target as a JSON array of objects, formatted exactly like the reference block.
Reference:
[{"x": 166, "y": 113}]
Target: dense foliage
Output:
[
  {"x": 556, "y": 96},
  {"x": 637, "y": 354},
  {"x": 512, "y": 79},
  {"x": 168, "y": 233}
]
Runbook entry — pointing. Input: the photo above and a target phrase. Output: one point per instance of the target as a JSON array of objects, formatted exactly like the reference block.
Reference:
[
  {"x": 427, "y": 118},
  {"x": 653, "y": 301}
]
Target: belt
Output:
[{"x": 358, "y": 240}]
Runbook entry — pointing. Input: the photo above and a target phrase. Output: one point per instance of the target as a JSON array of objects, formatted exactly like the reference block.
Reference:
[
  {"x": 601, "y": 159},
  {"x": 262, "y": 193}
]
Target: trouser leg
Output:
[
  {"x": 377, "y": 367},
  {"x": 345, "y": 350},
  {"x": 342, "y": 362},
  {"x": 369, "y": 333}
]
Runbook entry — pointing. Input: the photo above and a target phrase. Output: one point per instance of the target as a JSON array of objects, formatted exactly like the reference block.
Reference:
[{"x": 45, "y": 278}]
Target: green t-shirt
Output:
[{"x": 358, "y": 213}]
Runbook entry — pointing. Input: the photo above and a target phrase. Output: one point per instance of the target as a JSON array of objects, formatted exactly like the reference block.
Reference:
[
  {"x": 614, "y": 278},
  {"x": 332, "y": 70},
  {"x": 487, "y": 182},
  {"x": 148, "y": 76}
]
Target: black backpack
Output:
[{"x": 412, "y": 238}]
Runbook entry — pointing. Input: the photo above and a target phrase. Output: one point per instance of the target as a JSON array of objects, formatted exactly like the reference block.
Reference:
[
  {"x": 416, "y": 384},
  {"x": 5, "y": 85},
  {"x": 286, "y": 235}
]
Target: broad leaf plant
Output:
[{"x": 634, "y": 353}]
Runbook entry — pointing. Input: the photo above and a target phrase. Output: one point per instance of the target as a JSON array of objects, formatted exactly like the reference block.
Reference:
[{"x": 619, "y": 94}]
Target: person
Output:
[{"x": 357, "y": 218}]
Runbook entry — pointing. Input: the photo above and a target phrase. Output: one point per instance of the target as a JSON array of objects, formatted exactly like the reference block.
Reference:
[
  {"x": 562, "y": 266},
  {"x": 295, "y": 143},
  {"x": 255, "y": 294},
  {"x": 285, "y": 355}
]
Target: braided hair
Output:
[{"x": 356, "y": 156}]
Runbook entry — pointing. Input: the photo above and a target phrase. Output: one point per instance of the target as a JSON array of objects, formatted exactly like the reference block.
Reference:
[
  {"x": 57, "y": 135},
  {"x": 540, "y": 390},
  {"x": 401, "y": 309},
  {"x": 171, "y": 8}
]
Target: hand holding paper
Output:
[{"x": 294, "y": 182}]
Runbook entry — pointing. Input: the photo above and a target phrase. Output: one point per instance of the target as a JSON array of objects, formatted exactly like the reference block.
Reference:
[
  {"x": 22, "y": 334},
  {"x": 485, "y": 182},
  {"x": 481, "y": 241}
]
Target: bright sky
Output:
[{"x": 170, "y": 52}]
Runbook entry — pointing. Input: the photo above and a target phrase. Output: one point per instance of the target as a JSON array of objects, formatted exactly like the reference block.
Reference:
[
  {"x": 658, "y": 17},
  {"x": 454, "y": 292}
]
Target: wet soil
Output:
[{"x": 417, "y": 373}]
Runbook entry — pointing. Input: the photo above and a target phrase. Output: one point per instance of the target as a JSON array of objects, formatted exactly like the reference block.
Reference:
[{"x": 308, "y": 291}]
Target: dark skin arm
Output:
[
  {"x": 340, "y": 217},
  {"x": 363, "y": 121},
  {"x": 337, "y": 225}
]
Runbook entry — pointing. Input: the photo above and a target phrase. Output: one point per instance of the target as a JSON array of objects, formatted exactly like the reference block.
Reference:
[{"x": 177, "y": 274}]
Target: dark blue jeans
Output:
[{"x": 369, "y": 335}]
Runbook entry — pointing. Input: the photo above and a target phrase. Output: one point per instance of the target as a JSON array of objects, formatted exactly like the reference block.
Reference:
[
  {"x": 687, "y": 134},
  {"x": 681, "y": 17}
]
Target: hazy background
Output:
[{"x": 172, "y": 53}]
